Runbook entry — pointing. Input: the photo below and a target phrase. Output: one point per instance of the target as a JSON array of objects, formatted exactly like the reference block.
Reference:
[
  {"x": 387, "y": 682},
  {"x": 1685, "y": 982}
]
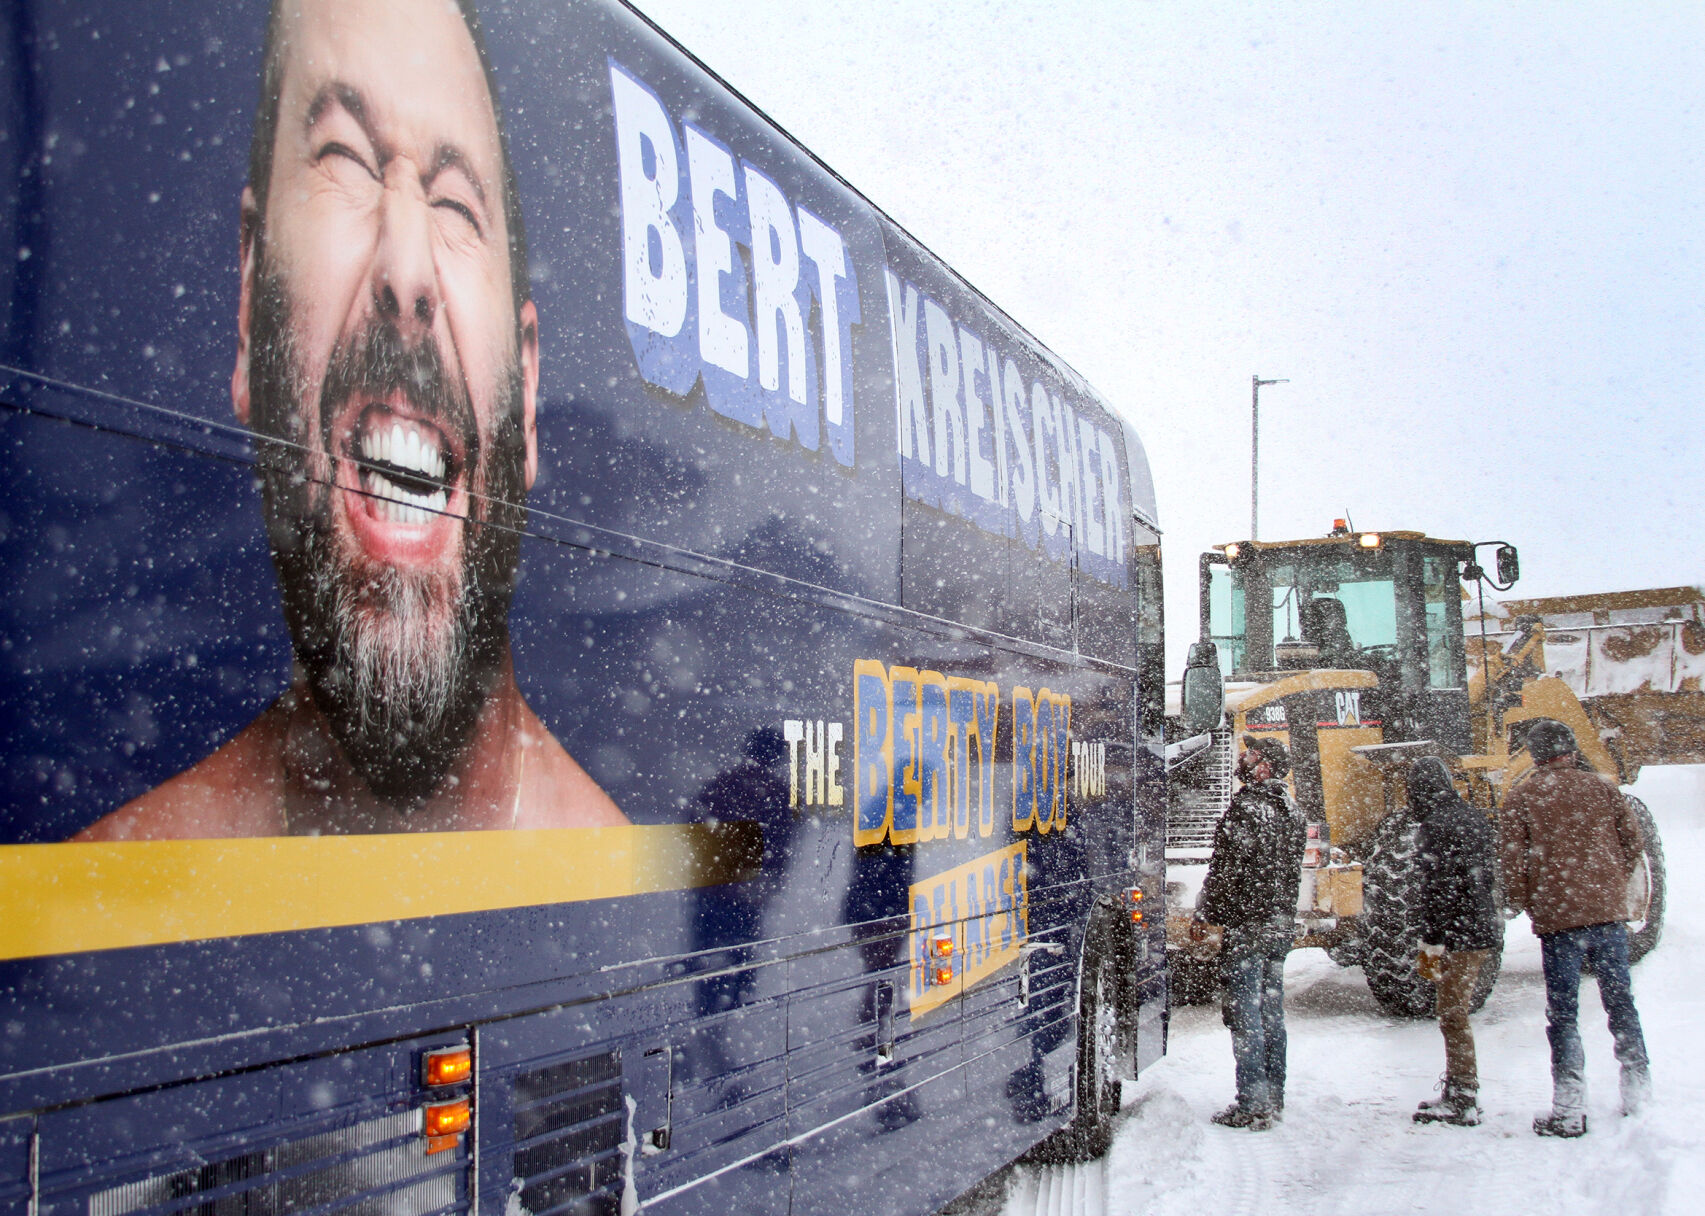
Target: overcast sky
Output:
[{"x": 1471, "y": 236}]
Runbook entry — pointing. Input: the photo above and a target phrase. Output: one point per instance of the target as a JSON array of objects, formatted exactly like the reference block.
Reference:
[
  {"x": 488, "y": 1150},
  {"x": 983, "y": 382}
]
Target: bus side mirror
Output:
[
  {"x": 1202, "y": 695},
  {"x": 1509, "y": 564}
]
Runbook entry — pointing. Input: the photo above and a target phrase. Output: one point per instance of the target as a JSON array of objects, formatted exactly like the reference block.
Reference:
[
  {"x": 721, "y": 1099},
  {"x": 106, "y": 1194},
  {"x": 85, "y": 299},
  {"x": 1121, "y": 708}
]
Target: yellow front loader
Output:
[{"x": 1352, "y": 649}]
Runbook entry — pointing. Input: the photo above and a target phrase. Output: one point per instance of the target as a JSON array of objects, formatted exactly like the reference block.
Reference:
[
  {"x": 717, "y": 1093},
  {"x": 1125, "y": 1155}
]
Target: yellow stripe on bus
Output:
[{"x": 67, "y": 898}]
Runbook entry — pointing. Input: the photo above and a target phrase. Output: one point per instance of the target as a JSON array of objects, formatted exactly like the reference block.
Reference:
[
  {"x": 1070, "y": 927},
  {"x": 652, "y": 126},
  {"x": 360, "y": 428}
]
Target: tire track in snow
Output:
[{"x": 1242, "y": 1166}]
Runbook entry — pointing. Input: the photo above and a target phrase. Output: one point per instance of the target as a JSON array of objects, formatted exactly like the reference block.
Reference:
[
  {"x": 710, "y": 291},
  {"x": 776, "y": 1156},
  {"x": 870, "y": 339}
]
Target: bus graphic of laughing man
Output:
[{"x": 388, "y": 362}]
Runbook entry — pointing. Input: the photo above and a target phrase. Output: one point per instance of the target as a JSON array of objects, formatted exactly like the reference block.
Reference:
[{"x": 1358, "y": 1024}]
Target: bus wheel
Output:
[
  {"x": 1090, "y": 1133},
  {"x": 1098, "y": 1085}
]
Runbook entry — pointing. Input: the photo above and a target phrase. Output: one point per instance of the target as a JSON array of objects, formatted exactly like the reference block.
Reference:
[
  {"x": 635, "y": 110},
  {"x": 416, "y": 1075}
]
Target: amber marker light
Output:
[
  {"x": 447, "y": 1067},
  {"x": 1134, "y": 895},
  {"x": 1370, "y": 540},
  {"x": 444, "y": 1123},
  {"x": 1231, "y": 552},
  {"x": 941, "y": 950}
]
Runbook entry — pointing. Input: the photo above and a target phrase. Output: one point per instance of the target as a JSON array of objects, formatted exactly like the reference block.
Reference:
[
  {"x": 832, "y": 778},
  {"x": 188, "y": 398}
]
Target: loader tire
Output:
[
  {"x": 1391, "y": 935},
  {"x": 1643, "y": 934},
  {"x": 1346, "y": 953}
]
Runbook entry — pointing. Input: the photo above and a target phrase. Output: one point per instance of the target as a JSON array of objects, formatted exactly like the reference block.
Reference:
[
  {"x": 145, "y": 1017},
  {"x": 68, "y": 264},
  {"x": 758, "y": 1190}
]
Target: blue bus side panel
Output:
[
  {"x": 15, "y": 1138},
  {"x": 709, "y": 570}
]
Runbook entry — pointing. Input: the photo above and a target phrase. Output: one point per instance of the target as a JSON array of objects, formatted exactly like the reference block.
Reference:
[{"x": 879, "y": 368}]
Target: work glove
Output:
[
  {"x": 1205, "y": 939},
  {"x": 1429, "y": 963}
]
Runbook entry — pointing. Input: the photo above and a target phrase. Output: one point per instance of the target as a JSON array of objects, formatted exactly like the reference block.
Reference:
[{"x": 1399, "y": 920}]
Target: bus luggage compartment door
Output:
[{"x": 348, "y": 1129}]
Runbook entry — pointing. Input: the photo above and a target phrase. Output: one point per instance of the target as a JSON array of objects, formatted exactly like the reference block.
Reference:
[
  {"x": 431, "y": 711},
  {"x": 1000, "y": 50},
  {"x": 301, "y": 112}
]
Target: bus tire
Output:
[
  {"x": 1090, "y": 1133},
  {"x": 1643, "y": 934}
]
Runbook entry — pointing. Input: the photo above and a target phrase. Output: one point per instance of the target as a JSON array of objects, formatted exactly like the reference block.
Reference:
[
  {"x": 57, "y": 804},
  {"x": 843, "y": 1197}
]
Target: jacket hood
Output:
[{"x": 1430, "y": 785}]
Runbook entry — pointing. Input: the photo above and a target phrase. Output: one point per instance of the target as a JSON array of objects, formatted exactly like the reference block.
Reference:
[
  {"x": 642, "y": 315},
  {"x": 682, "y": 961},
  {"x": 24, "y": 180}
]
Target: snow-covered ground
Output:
[{"x": 1348, "y": 1145}]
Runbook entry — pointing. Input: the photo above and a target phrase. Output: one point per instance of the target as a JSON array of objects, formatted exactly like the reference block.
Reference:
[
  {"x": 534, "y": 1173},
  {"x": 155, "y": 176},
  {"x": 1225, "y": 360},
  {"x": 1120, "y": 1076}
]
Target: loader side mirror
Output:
[
  {"x": 1509, "y": 564},
  {"x": 1202, "y": 695}
]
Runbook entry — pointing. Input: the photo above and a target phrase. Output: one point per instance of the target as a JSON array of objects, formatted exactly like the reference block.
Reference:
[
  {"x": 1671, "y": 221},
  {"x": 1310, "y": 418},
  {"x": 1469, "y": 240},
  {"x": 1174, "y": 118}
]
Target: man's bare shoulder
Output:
[
  {"x": 229, "y": 794},
  {"x": 555, "y": 791}
]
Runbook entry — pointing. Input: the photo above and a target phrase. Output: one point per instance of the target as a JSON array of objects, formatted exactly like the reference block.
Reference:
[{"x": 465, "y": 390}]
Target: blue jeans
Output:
[
  {"x": 1252, "y": 1003},
  {"x": 1606, "y": 947}
]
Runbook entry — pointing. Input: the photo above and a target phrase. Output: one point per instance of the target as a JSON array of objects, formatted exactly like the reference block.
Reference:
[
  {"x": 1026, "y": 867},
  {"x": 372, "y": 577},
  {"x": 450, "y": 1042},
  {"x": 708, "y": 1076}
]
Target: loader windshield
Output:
[{"x": 1312, "y": 607}]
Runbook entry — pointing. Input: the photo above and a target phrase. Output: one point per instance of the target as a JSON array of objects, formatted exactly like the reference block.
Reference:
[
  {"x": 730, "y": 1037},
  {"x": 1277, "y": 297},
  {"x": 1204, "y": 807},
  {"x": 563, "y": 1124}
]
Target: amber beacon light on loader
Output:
[{"x": 1353, "y": 649}]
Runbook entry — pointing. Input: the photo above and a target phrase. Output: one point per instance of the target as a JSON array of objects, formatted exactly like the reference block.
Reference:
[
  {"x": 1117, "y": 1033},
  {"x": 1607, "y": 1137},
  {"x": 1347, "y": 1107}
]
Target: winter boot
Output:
[
  {"x": 1568, "y": 1115},
  {"x": 1246, "y": 1117},
  {"x": 1456, "y": 1105},
  {"x": 1636, "y": 1088},
  {"x": 1565, "y": 1124}
]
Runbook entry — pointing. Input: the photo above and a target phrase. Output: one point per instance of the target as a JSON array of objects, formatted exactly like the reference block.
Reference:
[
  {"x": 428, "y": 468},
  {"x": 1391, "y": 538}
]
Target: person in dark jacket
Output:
[
  {"x": 1569, "y": 843},
  {"x": 1460, "y": 925},
  {"x": 1251, "y": 891}
]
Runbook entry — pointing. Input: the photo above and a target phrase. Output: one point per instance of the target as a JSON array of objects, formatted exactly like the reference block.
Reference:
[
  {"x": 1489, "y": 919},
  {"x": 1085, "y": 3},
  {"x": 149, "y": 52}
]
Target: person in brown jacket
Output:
[{"x": 1569, "y": 843}]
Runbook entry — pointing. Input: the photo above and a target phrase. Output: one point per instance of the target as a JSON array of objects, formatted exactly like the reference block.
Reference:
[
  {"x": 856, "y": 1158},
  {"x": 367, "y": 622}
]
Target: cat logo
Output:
[{"x": 1349, "y": 707}]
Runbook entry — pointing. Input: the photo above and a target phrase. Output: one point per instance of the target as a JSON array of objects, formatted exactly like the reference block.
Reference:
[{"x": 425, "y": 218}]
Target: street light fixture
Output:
[{"x": 1255, "y": 452}]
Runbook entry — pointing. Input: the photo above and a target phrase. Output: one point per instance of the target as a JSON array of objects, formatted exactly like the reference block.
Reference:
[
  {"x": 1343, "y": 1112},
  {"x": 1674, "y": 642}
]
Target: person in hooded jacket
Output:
[
  {"x": 1569, "y": 843},
  {"x": 1251, "y": 891},
  {"x": 1460, "y": 924}
]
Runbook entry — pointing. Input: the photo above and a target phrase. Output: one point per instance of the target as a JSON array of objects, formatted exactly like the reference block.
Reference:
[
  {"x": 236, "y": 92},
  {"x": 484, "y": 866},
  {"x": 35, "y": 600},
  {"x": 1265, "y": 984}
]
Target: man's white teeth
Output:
[
  {"x": 406, "y": 448},
  {"x": 397, "y": 505}
]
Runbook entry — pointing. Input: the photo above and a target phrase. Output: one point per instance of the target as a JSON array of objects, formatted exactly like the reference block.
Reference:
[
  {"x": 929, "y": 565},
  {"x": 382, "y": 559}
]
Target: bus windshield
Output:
[{"x": 1321, "y": 608}]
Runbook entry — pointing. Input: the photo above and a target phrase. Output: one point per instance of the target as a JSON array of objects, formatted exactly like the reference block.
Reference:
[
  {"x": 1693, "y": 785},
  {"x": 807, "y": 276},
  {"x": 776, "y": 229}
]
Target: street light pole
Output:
[{"x": 1255, "y": 452}]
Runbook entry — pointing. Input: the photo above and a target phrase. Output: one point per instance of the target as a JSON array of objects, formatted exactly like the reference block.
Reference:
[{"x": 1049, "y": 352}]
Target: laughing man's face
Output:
[{"x": 381, "y": 346}]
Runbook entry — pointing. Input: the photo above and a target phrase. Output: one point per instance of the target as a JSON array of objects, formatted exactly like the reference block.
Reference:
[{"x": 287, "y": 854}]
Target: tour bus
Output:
[{"x": 554, "y": 658}]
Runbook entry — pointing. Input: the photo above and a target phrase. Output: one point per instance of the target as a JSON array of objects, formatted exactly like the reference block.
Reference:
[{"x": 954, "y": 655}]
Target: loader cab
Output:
[{"x": 1389, "y": 603}]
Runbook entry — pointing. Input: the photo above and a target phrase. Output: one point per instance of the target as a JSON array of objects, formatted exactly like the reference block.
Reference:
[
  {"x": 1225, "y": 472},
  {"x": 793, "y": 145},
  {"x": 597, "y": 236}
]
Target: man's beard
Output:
[{"x": 400, "y": 662}]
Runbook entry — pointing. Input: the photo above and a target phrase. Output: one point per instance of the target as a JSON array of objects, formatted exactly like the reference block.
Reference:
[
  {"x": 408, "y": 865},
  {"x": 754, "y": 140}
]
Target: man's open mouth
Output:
[{"x": 406, "y": 465}]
